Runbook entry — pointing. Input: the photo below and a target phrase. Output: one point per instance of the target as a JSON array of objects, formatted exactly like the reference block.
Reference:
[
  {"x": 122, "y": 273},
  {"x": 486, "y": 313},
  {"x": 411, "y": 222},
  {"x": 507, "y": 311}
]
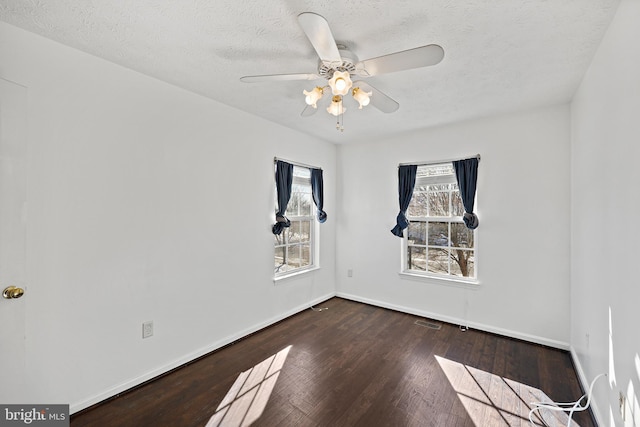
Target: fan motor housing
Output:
[{"x": 349, "y": 61}]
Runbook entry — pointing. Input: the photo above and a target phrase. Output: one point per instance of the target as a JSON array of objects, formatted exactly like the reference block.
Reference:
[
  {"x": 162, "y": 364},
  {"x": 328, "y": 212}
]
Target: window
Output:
[
  {"x": 295, "y": 246},
  {"x": 438, "y": 243}
]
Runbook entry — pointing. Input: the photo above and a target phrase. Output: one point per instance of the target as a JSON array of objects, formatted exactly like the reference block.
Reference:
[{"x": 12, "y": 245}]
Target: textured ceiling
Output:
[{"x": 500, "y": 55}]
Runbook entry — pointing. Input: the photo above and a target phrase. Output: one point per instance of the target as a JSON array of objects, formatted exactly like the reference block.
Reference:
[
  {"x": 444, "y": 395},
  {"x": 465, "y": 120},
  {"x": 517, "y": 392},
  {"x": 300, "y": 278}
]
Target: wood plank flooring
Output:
[{"x": 353, "y": 365}]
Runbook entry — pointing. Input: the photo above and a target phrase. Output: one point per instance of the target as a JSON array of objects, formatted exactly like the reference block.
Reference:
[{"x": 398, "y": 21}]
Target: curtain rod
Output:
[
  {"x": 439, "y": 161},
  {"x": 275, "y": 159}
]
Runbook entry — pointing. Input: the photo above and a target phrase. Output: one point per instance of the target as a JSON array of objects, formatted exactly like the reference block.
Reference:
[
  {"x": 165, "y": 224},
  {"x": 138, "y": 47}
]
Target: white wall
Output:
[
  {"x": 605, "y": 290},
  {"x": 127, "y": 222},
  {"x": 145, "y": 202},
  {"x": 523, "y": 238}
]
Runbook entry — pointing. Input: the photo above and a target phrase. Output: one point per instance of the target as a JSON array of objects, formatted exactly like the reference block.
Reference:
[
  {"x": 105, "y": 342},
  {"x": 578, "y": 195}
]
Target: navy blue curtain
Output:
[
  {"x": 284, "y": 179},
  {"x": 406, "y": 182},
  {"x": 467, "y": 176},
  {"x": 318, "y": 193}
]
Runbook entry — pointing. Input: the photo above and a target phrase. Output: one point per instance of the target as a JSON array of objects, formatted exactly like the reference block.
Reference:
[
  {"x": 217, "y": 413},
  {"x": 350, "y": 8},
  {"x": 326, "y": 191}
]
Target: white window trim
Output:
[
  {"x": 278, "y": 280},
  {"x": 439, "y": 279}
]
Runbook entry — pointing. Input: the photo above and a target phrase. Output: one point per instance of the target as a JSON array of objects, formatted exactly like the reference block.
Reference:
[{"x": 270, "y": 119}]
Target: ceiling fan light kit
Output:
[
  {"x": 340, "y": 83},
  {"x": 361, "y": 96},
  {"x": 338, "y": 65},
  {"x": 313, "y": 96},
  {"x": 336, "y": 108}
]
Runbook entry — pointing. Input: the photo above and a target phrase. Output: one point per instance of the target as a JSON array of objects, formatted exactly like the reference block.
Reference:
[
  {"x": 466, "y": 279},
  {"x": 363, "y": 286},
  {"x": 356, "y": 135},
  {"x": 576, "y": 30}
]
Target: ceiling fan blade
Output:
[
  {"x": 380, "y": 100},
  {"x": 423, "y": 56},
  {"x": 279, "y": 77},
  {"x": 308, "y": 111},
  {"x": 319, "y": 34}
]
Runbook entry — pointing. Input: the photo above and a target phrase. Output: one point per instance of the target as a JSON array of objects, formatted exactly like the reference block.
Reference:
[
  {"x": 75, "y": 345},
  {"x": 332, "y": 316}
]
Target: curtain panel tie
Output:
[
  {"x": 282, "y": 222},
  {"x": 401, "y": 223},
  {"x": 471, "y": 220}
]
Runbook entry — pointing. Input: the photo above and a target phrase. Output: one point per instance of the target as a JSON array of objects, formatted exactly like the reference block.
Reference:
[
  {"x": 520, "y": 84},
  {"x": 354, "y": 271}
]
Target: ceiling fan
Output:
[{"x": 338, "y": 65}]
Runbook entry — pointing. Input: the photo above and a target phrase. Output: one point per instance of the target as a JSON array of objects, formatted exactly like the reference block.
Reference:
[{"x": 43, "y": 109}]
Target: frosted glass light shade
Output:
[
  {"x": 362, "y": 97},
  {"x": 313, "y": 96},
  {"x": 336, "y": 108},
  {"x": 340, "y": 83}
]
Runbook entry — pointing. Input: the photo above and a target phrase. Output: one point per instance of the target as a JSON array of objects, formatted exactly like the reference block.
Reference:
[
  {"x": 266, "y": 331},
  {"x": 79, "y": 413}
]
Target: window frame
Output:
[
  {"x": 298, "y": 218},
  {"x": 448, "y": 279}
]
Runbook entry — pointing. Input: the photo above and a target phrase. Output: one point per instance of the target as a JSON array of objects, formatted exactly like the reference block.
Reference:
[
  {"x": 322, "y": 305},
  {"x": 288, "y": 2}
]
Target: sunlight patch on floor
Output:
[
  {"x": 497, "y": 401},
  {"x": 248, "y": 396}
]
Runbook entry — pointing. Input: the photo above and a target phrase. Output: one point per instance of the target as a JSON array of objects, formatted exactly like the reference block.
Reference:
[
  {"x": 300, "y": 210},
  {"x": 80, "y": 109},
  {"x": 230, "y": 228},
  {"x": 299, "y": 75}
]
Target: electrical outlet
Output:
[
  {"x": 349, "y": 273},
  {"x": 147, "y": 329}
]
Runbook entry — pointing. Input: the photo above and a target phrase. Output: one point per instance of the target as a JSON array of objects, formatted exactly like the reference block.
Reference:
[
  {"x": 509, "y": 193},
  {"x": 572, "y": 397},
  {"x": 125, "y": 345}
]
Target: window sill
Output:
[
  {"x": 446, "y": 281},
  {"x": 285, "y": 277}
]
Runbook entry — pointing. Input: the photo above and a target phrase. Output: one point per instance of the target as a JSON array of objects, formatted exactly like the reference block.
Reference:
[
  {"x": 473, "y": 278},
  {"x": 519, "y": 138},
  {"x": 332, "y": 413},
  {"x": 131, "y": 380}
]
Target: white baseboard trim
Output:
[
  {"x": 585, "y": 383},
  {"x": 113, "y": 391},
  {"x": 456, "y": 321}
]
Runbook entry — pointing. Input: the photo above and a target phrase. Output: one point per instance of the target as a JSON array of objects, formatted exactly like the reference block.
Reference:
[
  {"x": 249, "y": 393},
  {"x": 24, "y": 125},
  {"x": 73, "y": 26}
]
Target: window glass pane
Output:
[
  {"x": 305, "y": 231},
  {"x": 302, "y": 172},
  {"x": 461, "y": 236},
  {"x": 462, "y": 263},
  {"x": 418, "y": 204},
  {"x": 439, "y": 203},
  {"x": 417, "y": 258},
  {"x": 439, "y": 187},
  {"x": 300, "y": 201},
  {"x": 293, "y": 260},
  {"x": 305, "y": 255},
  {"x": 439, "y": 233},
  {"x": 294, "y": 201},
  {"x": 280, "y": 238},
  {"x": 456, "y": 202},
  {"x": 306, "y": 204},
  {"x": 292, "y": 207},
  {"x": 435, "y": 170},
  {"x": 294, "y": 232},
  {"x": 438, "y": 261},
  {"x": 298, "y": 256},
  {"x": 279, "y": 258},
  {"x": 417, "y": 233}
]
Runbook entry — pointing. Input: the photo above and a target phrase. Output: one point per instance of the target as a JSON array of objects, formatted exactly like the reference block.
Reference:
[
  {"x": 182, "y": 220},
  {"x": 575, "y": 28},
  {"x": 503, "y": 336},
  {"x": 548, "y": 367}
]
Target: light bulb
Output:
[
  {"x": 313, "y": 96},
  {"x": 361, "y": 96},
  {"x": 340, "y": 83}
]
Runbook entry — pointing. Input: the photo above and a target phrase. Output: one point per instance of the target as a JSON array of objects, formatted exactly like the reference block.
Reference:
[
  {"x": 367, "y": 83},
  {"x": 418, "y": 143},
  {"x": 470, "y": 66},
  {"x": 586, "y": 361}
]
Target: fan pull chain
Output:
[{"x": 340, "y": 122}]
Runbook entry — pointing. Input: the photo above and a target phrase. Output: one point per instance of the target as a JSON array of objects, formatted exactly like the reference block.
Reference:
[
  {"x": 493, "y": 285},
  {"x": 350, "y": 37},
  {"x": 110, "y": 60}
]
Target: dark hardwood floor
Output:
[{"x": 353, "y": 365}]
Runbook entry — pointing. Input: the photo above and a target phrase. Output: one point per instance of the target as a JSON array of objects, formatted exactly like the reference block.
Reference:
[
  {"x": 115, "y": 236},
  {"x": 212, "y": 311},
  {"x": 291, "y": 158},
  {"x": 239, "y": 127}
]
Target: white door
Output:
[{"x": 13, "y": 152}]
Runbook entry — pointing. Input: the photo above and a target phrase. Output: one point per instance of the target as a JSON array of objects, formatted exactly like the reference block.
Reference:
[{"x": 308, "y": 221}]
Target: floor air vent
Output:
[{"x": 429, "y": 325}]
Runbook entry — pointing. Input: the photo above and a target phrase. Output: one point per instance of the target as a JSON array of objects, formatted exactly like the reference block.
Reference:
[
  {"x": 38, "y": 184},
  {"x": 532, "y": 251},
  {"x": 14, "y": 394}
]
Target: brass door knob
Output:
[{"x": 12, "y": 292}]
